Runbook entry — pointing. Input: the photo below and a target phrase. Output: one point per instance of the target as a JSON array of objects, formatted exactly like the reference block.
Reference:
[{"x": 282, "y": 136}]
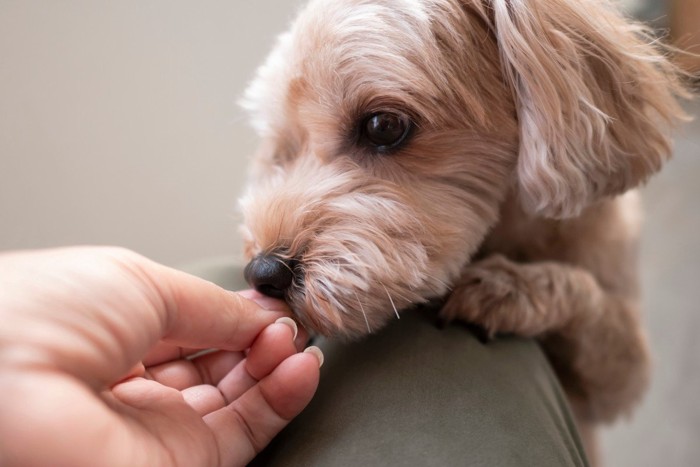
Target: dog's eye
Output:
[{"x": 386, "y": 130}]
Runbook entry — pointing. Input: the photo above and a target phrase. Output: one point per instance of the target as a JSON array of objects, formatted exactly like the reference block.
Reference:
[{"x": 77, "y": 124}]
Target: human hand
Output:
[{"x": 92, "y": 372}]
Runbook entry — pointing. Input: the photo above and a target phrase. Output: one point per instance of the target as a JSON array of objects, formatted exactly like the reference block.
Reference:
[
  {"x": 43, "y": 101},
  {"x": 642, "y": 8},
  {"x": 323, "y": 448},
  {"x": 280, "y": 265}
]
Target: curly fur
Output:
[{"x": 532, "y": 117}]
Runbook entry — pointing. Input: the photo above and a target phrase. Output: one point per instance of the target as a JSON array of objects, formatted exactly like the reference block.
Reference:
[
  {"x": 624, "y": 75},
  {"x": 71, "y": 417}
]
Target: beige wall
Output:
[{"x": 119, "y": 123}]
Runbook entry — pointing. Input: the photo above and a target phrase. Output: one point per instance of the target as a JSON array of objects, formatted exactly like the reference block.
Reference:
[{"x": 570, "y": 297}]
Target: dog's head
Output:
[{"x": 393, "y": 130}]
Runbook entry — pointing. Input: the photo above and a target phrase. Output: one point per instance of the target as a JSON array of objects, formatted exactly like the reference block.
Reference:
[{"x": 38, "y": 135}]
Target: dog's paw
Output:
[{"x": 498, "y": 295}]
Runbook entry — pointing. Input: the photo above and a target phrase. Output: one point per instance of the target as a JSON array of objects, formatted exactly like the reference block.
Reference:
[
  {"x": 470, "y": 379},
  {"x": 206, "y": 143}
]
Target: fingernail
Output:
[
  {"x": 291, "y": 323},
  {"x": 317, "y": 353}
]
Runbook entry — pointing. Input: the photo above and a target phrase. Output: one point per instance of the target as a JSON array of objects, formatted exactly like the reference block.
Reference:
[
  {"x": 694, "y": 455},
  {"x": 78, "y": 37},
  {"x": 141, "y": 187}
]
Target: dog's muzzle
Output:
[{"x": 270, "y": 274}]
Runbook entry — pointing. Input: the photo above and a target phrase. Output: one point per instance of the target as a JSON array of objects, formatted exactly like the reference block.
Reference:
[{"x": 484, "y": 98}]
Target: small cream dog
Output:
[{"x": 481, "y": 150}]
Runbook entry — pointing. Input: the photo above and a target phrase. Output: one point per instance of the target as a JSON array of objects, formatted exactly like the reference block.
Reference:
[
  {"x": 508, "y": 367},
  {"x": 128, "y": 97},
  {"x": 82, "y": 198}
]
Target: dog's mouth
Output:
[
  {"x": 277, "y": 276},
  {"x": 347, "y": 253},
  {"x": 317, "y": 308}
]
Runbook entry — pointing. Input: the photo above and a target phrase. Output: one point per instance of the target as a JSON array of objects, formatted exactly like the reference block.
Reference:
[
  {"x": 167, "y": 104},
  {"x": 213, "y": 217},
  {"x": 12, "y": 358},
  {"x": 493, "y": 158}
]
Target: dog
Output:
[{"x": 486, "y": 151}]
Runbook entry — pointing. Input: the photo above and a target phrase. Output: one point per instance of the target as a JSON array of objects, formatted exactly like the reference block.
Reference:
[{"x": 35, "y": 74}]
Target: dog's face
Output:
[{"x": 393, "y": 130}]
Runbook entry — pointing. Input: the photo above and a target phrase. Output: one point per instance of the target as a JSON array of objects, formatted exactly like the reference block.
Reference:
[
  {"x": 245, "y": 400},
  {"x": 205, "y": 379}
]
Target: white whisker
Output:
[
  {"x": 402, "y": 297},
  {"x": 363, "y": 312},
  {"x": 284, "y": 263},
  {"x": 392, "y": 302},
  {"x": 447, "y": 286}
]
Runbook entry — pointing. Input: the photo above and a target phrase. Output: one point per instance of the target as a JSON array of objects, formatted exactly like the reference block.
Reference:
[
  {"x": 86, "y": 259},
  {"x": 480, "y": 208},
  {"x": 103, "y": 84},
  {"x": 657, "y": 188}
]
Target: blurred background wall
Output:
[{"x": 119, "y": 122}]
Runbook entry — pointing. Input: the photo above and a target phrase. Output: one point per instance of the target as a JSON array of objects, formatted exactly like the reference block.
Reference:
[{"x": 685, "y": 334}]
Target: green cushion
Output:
[{"x": 417, "y": 395}]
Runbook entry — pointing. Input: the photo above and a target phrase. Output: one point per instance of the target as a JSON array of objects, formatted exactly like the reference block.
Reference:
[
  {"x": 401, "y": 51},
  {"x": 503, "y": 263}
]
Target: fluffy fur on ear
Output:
[{"x": 594, "y": 97}]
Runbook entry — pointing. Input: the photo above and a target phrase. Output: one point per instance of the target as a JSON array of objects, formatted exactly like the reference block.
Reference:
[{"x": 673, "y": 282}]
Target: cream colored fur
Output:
[{"x": 532, "y": 117}]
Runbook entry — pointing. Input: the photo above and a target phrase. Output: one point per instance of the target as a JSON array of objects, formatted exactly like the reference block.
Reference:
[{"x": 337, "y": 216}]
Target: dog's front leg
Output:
[{"x": 593, "y": 338}]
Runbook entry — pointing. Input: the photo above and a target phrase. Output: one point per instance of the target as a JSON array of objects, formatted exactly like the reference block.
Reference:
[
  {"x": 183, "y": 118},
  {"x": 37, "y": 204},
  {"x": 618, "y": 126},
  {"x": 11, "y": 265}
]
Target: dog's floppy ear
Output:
[{"x": 594, "y": 100}]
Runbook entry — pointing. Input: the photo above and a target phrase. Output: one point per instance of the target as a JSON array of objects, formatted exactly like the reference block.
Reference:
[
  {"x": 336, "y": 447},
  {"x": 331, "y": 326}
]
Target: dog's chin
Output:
[
  {"x": 331, "y": 325},
  {"x": 348, "y": 316}
]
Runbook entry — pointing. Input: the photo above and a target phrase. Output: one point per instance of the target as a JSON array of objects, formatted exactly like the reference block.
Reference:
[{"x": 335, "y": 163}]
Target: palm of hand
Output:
[{"x": 67, "y": 394}]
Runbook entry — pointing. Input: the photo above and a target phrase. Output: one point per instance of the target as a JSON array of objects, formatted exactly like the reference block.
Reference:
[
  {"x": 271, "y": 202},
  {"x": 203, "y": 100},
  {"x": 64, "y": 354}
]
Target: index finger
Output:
[
  {"x": 199, "y": 314},
  {"x": 94, "y": 312},
  {"x": 165, "y": 351}
]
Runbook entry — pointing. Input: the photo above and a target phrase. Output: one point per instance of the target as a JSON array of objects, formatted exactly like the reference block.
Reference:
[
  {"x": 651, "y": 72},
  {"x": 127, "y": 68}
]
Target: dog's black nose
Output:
[{"x": 269, "y": 274}]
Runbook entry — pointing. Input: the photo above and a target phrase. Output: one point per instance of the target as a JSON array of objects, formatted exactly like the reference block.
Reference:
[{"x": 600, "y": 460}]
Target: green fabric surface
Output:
[{"x": 417, "y": 395}]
